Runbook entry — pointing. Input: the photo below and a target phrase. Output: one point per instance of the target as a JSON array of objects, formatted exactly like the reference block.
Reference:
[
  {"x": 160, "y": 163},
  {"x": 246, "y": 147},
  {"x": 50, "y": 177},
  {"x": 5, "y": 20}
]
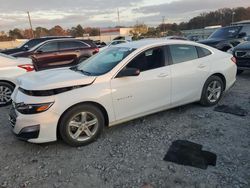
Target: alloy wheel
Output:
[
  {"x": 83, "y": 126},
  {"x": 214, "y": 91},
  {"x": 5, "y": 95}
]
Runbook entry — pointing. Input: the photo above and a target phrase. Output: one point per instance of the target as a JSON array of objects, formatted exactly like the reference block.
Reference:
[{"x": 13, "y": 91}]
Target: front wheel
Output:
[
  {"x": 81, "y": 125},
  {"x": 212, "y": 91},
  {"x": 6, "y": 90}
]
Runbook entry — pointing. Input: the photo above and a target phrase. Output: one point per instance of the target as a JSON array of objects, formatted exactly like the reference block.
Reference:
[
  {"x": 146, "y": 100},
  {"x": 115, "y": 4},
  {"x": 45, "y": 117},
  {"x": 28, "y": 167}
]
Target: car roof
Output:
[
  {"x": 154, "y": 42},
  {"x": 63, "y": 39}
]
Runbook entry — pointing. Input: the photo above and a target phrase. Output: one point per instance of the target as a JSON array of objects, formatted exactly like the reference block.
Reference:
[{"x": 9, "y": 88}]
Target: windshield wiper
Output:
[
  {"x": 85, "y": 72},
  {"x": 75, "y": 68}
]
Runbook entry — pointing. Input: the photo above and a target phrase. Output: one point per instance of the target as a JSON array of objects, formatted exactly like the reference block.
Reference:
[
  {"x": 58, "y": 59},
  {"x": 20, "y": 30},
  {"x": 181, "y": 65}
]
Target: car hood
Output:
[
  {"x": 21, "y": 54},
  {"x": 53, "y": 79},
  {"x": 11, "y": 51},
  {"x": 243, "y": 46},
  {"x": 211, "y": 42}
]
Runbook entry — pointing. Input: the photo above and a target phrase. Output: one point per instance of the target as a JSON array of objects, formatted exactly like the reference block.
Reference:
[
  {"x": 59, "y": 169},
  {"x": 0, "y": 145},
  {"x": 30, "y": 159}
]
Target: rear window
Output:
[
  {"x": 182, "y": 53},
  {"x": 90, "y": 43},
  {"x": 71, "y": 45},
  {"x": 203, "y": 52}
]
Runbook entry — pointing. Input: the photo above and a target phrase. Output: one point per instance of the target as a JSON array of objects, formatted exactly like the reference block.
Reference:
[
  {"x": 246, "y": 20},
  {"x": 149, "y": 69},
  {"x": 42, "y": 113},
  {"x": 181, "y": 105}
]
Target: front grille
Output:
[
  {"x": 12, "y": 116},
  {"x": 243, "y": 54}
]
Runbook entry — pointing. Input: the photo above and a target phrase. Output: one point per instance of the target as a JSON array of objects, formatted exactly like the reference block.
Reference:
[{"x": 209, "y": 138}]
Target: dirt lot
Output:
[{"x": 131, "y": 155}]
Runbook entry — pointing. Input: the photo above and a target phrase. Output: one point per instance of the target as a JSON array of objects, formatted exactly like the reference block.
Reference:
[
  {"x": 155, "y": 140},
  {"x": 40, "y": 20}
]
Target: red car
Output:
[{"x": 59, "y": 53}]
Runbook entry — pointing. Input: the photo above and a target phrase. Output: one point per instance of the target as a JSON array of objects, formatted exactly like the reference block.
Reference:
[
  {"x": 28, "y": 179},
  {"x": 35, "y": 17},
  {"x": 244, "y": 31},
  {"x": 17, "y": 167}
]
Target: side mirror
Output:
[
  {"x": 128, "y": 72},
  {"x": 242, "y": 35},
  {"x": 26, "y": 47}
]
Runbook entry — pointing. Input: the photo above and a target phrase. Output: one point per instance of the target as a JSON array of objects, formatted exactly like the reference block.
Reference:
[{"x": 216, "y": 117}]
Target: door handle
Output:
[
  {"x": 201, "y": 66},
  {"x": 162, "y": 75}
]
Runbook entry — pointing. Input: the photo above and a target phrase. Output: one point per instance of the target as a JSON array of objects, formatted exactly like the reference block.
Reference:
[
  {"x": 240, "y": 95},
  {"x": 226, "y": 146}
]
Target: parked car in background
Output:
[
  {"x": 30, "y": 44},
  {"x": 100, "y": 44},
  {"x": 176, "y": 38},
  {"x": 228, "y": 37},
  {"x": 121, "y": 83},
  {"x": 242, "y": 55},
  {"x": 10, "y": 69},
  {"x": 194, "y": 37},
  {"x": 59, "y": 53},
  {"x": 113, "y": 43}
]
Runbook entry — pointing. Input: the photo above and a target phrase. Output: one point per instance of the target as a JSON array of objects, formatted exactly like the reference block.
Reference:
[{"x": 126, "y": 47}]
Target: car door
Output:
[
  {"x": 147, "y": 92},
  {"x": 71, "y": 52},
  {"x": 46, "y": 56},
  {"x": 188, "y": 72}
]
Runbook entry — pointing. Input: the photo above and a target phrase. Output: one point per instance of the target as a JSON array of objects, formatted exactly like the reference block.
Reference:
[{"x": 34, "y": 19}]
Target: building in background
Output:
[{"x": 109, "y": 34}]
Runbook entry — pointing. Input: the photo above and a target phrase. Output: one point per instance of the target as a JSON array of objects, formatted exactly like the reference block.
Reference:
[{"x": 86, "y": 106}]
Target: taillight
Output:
[
  {"x": 234, "y": 60},
  {"x": 27, "y": 67},
  {"x": 96, "y": 50}
]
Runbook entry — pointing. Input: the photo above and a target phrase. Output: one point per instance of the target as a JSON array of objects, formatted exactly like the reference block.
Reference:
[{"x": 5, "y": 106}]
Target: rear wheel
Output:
[
  {"x": 81, "y": 125},
  {"x": 212, "y": 91},
  {"x": 6, "y": 89}
]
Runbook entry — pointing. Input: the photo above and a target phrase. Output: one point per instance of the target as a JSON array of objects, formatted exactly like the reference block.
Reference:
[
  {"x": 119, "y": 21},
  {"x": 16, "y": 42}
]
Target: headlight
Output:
[{"x": 32, "y": 108}]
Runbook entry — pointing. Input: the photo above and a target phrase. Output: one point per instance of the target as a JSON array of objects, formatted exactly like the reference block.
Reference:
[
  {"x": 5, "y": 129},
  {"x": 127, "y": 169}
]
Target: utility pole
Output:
[
  {"x": 118, "y": 16},
  {"x": 32, "y": 33},
  {"x": 233, "y": 13}
]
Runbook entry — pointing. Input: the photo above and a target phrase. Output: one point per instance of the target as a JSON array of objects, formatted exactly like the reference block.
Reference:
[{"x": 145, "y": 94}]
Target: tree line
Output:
[{"x": 221, "y": 17}]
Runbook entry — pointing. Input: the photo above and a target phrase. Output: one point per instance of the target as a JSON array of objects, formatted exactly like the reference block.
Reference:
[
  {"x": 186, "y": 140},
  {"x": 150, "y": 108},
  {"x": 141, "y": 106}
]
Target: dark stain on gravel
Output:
[
  {"x": 188, "y": 153},
  {"x": 235, "y": 110}
]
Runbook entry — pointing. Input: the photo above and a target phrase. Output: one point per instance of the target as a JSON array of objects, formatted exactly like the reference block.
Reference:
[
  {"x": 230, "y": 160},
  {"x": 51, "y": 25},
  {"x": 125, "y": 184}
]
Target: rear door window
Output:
[
  {"x": 183, "y": 53},
  {"x": 49, "y": 47},
  {"x": 203, "y": 52}
]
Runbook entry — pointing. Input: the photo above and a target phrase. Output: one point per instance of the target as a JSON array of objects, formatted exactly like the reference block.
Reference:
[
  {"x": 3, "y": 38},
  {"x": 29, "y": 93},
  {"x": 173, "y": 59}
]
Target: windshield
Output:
[
  {"x": 7, "y": 56},
  {"x": 226, "y": 32},
  {"x": 31, "y": 43},
  {"x": 104, "y": 61}
]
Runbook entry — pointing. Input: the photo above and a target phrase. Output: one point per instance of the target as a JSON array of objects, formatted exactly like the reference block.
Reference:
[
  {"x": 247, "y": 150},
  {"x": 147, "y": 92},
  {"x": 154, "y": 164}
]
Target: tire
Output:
[
  {"x": 77, "y": 126},
  {"x": 239, "y": 72},
  {"x": 6, "y": 89},
  {"x": 211, "y": 94}
]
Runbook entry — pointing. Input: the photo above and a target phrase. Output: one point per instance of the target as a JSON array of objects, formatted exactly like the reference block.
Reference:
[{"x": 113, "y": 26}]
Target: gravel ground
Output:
[{"x": 131, "y": 155}]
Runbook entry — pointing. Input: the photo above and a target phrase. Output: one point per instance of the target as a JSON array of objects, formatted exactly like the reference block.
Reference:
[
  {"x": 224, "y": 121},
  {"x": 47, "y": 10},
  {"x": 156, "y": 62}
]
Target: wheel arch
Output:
[
  {"x": 222, "y": 77},
  {"x": 98, "y": 105},
  {"x": 9, "y": 82}
]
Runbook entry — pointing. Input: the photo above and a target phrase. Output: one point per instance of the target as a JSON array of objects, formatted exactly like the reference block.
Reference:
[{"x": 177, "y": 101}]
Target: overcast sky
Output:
[{"x": 103, "y": 13}]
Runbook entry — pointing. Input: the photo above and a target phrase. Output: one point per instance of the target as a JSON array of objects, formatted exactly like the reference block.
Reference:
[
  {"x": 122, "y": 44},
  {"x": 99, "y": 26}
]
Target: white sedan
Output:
[
  {"x": 10, "y": 69},
  {"x": 118, "y": 84}
]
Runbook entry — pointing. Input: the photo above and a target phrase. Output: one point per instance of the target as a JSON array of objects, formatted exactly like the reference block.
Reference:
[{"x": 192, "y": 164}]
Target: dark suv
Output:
[
  {"x": 59, "y": 53},
  {"x": 228, "y": 37},
  {"x": 30, "y": 44},
  {"x": 242, "y": 55}
]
